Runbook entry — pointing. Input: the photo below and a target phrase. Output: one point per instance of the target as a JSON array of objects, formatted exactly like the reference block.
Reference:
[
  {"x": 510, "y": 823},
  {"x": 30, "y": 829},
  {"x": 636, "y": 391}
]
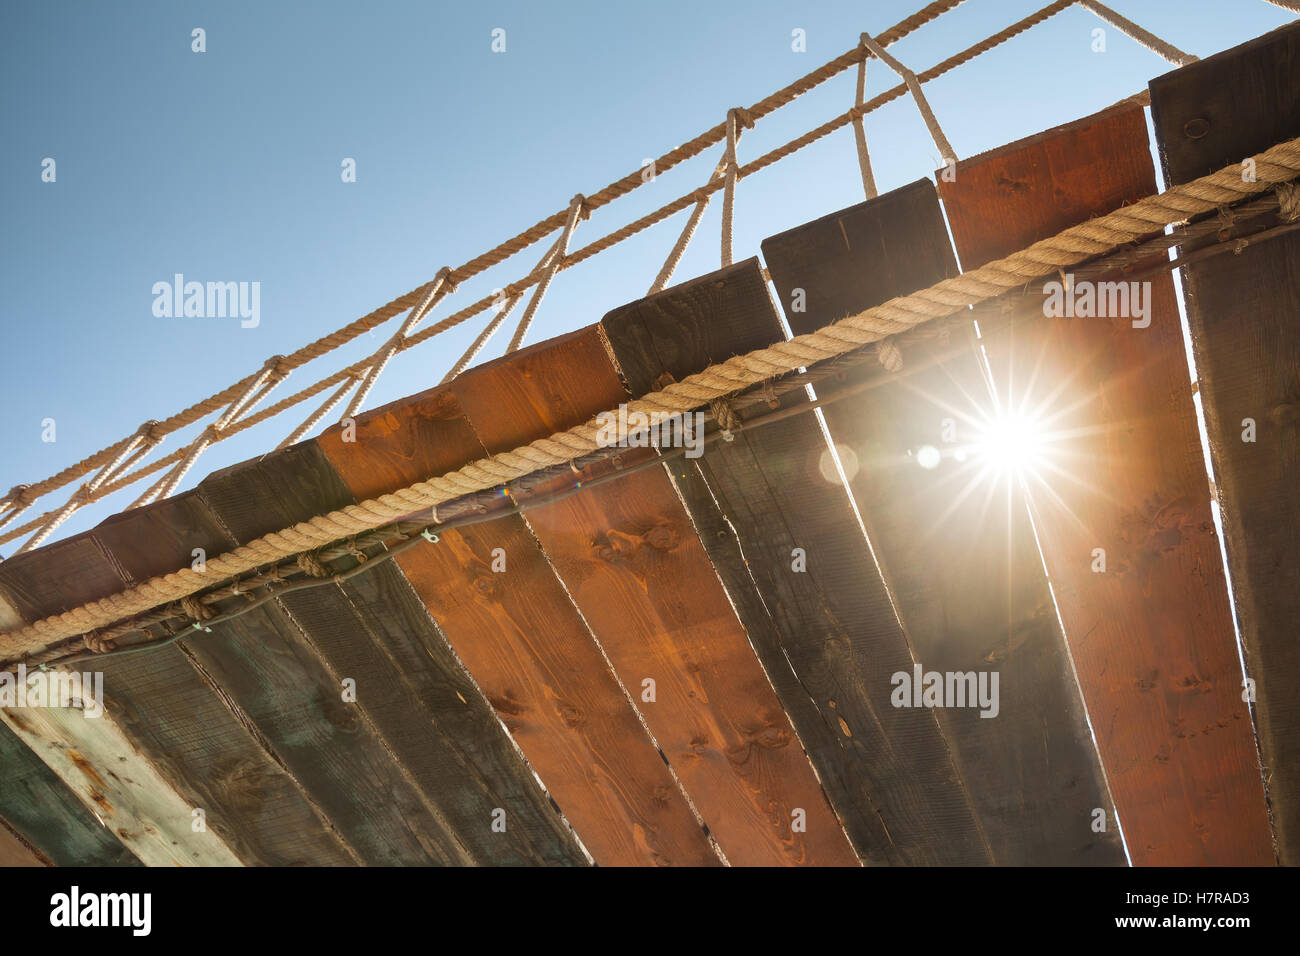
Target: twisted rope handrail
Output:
[
  {"x": 1278, "y": 165},
  {"x": 419, "y": 301}
]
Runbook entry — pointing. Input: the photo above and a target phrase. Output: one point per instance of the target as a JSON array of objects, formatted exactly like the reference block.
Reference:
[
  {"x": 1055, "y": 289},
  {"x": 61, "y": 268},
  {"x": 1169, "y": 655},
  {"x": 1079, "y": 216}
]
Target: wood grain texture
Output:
[
  {"x": 630, "y": 558},
  {"x": 413, "y": 695},
  {"x": 178, "y": 723},
  {"x": 15, "y": 852},
  {"x": 1246, "y": 340},
  {"x": 120, "y": 785},
  {"x": 527, "y": 646},
  {"x": 957, "y": 551},
  {"x": 1152, "y": 636},
  {"x": 267, "y": 671},
  {"x": 827, "y": 637},
  {"x": 35, "y": 803}
]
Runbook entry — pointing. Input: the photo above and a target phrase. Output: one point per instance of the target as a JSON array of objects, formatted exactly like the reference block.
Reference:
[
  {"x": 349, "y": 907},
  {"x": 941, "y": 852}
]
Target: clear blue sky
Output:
[{"x": 225, "y": 166}]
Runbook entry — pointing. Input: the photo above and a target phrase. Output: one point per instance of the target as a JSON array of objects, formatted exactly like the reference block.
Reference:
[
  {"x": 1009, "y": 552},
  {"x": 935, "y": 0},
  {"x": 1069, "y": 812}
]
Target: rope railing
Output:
[
  {"x": 362, "y": 375},
  {"x": 1276, "y": 169}
]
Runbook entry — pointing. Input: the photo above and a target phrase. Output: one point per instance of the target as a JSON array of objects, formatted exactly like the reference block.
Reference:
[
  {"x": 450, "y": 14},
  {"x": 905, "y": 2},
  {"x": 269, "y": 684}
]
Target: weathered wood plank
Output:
[
  {"x": 827, "y": 637},
  {"x": 177, "y": 722},
  {"x": 410, "y": 686},
  {"x": 957, "y": 552},
  {"x": 1246, "y": 340},
  {"x": 527, "y": 646},
  {"x": 631, "y": 560},
  {"x": 119, "y": 785},
  {"x": 1152, "y": 636},
  {"x": 270, "y": 676},
  {"x": 35, "y": 803}
]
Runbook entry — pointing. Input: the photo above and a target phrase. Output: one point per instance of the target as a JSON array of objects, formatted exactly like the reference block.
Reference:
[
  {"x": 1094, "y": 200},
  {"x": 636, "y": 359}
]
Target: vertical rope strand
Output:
[
  {"x": 860, "y": 134},
  {"x": 729, "y": 191},
  {"x": 577, "y": 210}
]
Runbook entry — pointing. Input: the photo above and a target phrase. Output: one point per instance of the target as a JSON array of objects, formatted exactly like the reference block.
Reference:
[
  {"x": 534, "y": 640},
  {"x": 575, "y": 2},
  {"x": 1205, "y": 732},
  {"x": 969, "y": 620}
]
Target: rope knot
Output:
[
  {"x": 311, "y": 564},
  {"x": 152, "y": 431},
  {"x": 580, "y": 201},
  {"x": 195, "y": 609},
  {"x": 18, "y": 496},
  {"x": 449, "y": 279},
  {"x": 96, "y": 643},
  {"x": 1288, "y": 201},
  {"x": 725, "y": 416},
  {"x": 744, "y": 117},
  {"x": 889, "y": 354}
]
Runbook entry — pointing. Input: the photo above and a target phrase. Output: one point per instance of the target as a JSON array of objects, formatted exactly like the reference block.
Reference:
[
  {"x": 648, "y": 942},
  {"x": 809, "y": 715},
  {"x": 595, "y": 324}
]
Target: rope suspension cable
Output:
[
  {"x": 860, "y": 132},
  {"x": 947, "y": 154},
  {"x": 367, "y": 370},
  {"x": 1149, "y": 40},
  {"x": 502, "y": 314},
  {"x": 577, "y": 210},
  {"x": 484, "y": 261},
  {"x": 688, "y": 232},
  {"x": 1075, "y": 245}
]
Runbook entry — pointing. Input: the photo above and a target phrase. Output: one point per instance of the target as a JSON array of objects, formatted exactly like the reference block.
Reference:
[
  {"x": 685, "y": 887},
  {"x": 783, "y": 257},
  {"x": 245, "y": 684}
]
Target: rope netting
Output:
[{"x": 121, "y": 464}]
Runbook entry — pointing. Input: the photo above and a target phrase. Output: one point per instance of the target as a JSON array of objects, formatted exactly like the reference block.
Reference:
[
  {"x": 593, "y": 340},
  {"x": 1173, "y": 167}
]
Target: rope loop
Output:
[
  {"x": 742, "y": 116},
  {"x": 97, "y": 644},
  {"x": 449, "y": 279},
  {"x": 725, "y": 416},
  {"x": 195, "y": 609},
  {"x": 311, "y": 564},
  {"x": 579, "y": 200},
  {"x": 1288, "y": 201}
]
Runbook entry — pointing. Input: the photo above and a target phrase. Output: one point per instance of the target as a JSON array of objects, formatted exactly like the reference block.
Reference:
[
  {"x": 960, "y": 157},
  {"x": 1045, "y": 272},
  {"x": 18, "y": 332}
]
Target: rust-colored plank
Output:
[
  {"x": 1152, "y": 635},
  {"x": 955, "y": 546},
  {"x": 631, "y": 559},
  {"x": 410, "y": 688},
  {"x": 824, "y": 630},
  {"x": 15, "y": 852},
  {"x": 1246, "y": 338},
  {"x": 527, "y": 646}
]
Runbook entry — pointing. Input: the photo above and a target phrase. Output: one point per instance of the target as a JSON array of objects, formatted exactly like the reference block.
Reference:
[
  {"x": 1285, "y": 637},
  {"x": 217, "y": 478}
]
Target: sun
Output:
[{"x": 1011, "y": 444}]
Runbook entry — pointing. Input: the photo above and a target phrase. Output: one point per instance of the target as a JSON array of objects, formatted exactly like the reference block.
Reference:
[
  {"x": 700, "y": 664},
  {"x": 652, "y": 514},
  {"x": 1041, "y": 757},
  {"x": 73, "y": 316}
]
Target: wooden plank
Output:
[
  {"x": 957, "y": 552},
  {"x": 119, "y": 785},
  {"x": 827, "y": 637},
  {"x": 1242, "y": 310},
  {"x": 410, "y": 686},
  {"x": 1152, "y": 636},
  {"x": 269, "y": 674},
  {"x": 40, "y": 807},
  {"x": 527, "y": 646},
  {"x": 631, "y": 560},
  {"x": 176, "y": 721},
  {"x": 15, "y": 851}
]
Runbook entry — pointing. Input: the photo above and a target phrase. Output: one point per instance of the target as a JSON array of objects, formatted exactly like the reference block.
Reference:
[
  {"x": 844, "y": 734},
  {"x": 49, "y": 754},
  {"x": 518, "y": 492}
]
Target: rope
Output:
[
  {"x": 946, "y": 152},
  {"x": 688, "y": 232},
  {"x": 477, "y": 345},
  {"x": 481, "y": 263},
  {"x": 1279, "y": 164},
  {"x": 577, "y": 210},
  {"x": 734, "y": 117},
  {"x": 1149, "y": 40},
  {"x": 860, "y": 134}
]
